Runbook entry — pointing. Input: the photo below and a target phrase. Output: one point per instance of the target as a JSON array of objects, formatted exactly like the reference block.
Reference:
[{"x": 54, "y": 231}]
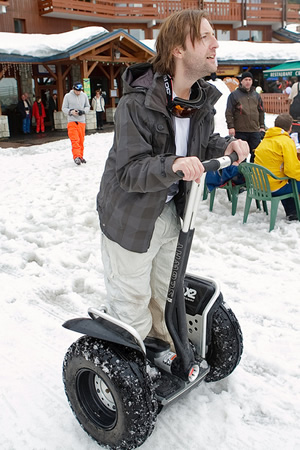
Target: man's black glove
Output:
[{"x": 80, "y": 112}]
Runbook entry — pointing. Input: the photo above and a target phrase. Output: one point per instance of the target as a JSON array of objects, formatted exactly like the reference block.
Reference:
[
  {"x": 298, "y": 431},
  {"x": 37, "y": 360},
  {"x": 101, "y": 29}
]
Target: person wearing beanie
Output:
[
  {"x": 245, "y": 114},
  {"x": 246, "y": 75},
  {"x": 76, "y": 105},
  {"x": 277, "y": 152}
]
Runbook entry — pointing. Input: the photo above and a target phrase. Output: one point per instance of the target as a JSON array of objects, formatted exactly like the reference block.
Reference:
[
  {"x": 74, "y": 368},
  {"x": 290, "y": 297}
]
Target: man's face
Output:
[
  {"x": 77, "y": 92},
  {"x": 247, "y": 83},
  {"x": 200, "y": 60}
]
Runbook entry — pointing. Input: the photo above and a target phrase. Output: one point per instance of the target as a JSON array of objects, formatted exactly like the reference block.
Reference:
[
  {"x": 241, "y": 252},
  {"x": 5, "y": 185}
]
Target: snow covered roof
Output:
[
  {"x": 241, "y": 52},
  {"x": 23, "y": 47},
  {"x": 46, "y": 47}
]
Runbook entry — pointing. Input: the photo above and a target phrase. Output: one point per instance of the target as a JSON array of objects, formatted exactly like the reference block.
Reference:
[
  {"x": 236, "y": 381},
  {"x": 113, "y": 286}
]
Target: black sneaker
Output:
[
  {"x": 77, "y": 161},
  {"x": 291, "y": 217},
  {"x": 83, "y": 160}
]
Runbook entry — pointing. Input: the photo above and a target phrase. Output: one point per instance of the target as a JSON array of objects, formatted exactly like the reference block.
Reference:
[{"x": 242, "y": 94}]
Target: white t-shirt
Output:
[{"x": 182, "y": 128}]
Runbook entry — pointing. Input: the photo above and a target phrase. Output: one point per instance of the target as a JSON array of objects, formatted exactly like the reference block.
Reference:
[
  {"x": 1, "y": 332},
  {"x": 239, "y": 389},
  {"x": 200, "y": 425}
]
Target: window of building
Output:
[
  {"x": 138, "y": 34},
  {"x": 155, "y": 32},
  {"x": 8, "y": 93},
  {"x": 256, "y": 35},
  {"x": 19, "y": 26},
  {"x": 249, "y": 35},
  {"x": 243, "y": 35},
  {"x": 223, "y": 35}
]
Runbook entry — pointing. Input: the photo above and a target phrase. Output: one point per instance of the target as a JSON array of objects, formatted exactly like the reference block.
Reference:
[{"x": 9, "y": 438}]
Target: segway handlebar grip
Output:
[{"x": 220, "y": 163}]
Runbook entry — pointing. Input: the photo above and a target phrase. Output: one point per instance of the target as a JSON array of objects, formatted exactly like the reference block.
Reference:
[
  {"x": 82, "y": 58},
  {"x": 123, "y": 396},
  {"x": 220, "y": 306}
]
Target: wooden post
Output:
[
  {"x": 84, "y": 69},
  {"x": 112, "y": 77},
  {"x": 60, "y": 87}
]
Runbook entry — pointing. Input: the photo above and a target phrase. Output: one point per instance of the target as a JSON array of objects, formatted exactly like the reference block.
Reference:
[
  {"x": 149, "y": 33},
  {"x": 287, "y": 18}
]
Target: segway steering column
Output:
[{"x": 185, "y": 365}]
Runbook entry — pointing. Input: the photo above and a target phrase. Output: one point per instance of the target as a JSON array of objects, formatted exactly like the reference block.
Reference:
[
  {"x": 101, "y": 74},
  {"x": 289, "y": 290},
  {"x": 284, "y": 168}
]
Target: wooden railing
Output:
[
  {"x": 159, "y": 10},
  {"x": 275, "y": 103}
]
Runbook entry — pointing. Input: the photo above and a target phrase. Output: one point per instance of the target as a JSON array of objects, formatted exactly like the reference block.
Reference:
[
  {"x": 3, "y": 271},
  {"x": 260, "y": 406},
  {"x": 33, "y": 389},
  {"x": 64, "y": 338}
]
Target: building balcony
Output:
[
  {"x": 239, "y": 12},
  {"x": 3, "y": 5}
]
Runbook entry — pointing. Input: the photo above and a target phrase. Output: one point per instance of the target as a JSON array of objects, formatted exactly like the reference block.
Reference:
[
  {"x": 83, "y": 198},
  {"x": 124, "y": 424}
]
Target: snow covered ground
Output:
[{"x": 51, "y": 271}]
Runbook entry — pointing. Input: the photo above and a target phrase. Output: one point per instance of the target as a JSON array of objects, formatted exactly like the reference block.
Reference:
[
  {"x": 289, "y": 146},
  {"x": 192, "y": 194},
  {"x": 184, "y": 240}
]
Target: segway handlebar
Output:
[
  {"x": 220, "y": 163},
  {"x": 194, "y": 197}
]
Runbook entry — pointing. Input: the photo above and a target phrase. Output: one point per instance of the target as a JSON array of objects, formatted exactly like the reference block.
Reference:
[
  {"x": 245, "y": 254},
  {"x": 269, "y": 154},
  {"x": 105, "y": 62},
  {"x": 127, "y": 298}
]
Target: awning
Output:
[{"x": 288, "y": 69}]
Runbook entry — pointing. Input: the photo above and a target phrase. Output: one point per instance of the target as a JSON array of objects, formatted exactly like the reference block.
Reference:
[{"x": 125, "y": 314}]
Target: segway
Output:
[{"x": 116, "y": 383}]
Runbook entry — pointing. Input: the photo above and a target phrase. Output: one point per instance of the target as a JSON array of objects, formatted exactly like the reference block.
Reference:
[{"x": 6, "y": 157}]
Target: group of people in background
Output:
[
  {"x": 273, "y": 149},
  {"x": 27, "y": 111}
]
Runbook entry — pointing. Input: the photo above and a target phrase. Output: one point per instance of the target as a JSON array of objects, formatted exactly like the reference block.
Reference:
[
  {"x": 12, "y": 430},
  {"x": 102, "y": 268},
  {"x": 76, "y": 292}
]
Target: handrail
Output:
[{"x": 160, "y": 9}]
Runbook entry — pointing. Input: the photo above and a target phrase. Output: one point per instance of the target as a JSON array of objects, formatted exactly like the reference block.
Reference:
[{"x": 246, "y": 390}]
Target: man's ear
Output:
[{"x": 177, "y": 52}]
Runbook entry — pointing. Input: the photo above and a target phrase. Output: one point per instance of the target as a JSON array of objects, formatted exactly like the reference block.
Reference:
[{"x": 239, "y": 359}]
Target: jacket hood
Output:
[
  {"x": 141, "y": 78},
  {"x": 275, "y": 131}
]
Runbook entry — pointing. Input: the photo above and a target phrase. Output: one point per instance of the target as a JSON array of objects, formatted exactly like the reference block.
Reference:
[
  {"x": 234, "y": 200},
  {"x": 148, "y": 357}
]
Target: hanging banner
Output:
[{"x": 87, "y": 87}]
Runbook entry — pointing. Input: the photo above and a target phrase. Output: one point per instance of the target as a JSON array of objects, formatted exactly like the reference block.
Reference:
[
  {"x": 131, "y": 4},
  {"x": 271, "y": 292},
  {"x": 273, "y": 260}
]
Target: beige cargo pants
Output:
[{"x": 137, "y": 283}]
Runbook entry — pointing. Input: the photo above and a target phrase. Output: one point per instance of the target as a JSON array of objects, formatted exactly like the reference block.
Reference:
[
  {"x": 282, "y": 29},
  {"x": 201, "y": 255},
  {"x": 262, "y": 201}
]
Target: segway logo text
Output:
[{"x": 174, "y": 273}]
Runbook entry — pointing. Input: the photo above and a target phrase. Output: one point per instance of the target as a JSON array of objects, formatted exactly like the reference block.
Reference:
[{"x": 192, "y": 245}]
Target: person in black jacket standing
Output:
[
  {"x": 52, "y": 108},
  {"x": 24, "y": 109},
  {"x": 163, "y": 129},
  {"x": 245, "y": 114}
]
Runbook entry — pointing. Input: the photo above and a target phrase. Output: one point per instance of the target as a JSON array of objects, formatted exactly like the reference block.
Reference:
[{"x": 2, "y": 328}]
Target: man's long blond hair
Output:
[{"x": 173, "y": 33}]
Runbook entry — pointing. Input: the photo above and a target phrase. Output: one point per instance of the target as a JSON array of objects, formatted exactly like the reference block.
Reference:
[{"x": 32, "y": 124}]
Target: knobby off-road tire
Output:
[
  {"x": 111, "y": 397},
  {"x": 226, "y": 348}
]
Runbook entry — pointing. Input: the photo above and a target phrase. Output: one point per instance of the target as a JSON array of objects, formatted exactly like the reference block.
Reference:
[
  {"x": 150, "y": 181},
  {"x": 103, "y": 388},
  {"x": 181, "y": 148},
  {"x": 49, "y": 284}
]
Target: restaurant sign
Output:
[{"x": 289, "y": 69}]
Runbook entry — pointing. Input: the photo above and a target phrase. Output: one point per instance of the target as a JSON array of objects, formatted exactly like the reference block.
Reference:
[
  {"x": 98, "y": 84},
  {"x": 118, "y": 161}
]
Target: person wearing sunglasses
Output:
[
  {"x": 75, "y": 106},
  {"x": 164, "y": 128}
]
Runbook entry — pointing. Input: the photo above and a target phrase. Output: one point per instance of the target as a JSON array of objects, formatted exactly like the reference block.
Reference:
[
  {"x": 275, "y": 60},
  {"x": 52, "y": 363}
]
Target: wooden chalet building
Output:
[
  {"x": 256, "y": 20},
  {"x": 104, "y": 58}
]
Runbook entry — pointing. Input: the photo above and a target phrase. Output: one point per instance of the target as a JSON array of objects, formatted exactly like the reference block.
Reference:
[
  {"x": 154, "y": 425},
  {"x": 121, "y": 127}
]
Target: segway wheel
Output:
[
  {"x": 111, "y": 396},
  {"x": 226, "y": 348}
]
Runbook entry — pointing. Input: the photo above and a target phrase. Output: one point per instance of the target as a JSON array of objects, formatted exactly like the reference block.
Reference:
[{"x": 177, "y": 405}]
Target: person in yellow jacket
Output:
[{"x": 277, "y": 152}]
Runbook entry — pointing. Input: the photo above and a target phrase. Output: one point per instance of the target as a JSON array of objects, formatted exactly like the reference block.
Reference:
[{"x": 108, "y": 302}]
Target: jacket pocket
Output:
[{"x": 161, "y": 139}]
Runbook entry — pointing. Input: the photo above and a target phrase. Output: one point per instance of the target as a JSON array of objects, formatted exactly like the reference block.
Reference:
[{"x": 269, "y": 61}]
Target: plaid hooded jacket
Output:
[{"x": 138, "y": 171}]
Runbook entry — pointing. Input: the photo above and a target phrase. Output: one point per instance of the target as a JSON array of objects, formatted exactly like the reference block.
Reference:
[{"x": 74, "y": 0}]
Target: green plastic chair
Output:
[
  {"x": 232, "y": 193},
  {"x": 258, "y": 188}
]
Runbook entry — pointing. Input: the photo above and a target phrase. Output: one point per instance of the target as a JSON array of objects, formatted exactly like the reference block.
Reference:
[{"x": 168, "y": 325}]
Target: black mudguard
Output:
[{"x": 104, "y": 330}]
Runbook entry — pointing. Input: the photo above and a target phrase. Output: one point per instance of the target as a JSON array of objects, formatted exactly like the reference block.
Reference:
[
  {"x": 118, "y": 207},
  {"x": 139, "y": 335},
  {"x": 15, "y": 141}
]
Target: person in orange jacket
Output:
[{"x": 38, "y": 111}]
